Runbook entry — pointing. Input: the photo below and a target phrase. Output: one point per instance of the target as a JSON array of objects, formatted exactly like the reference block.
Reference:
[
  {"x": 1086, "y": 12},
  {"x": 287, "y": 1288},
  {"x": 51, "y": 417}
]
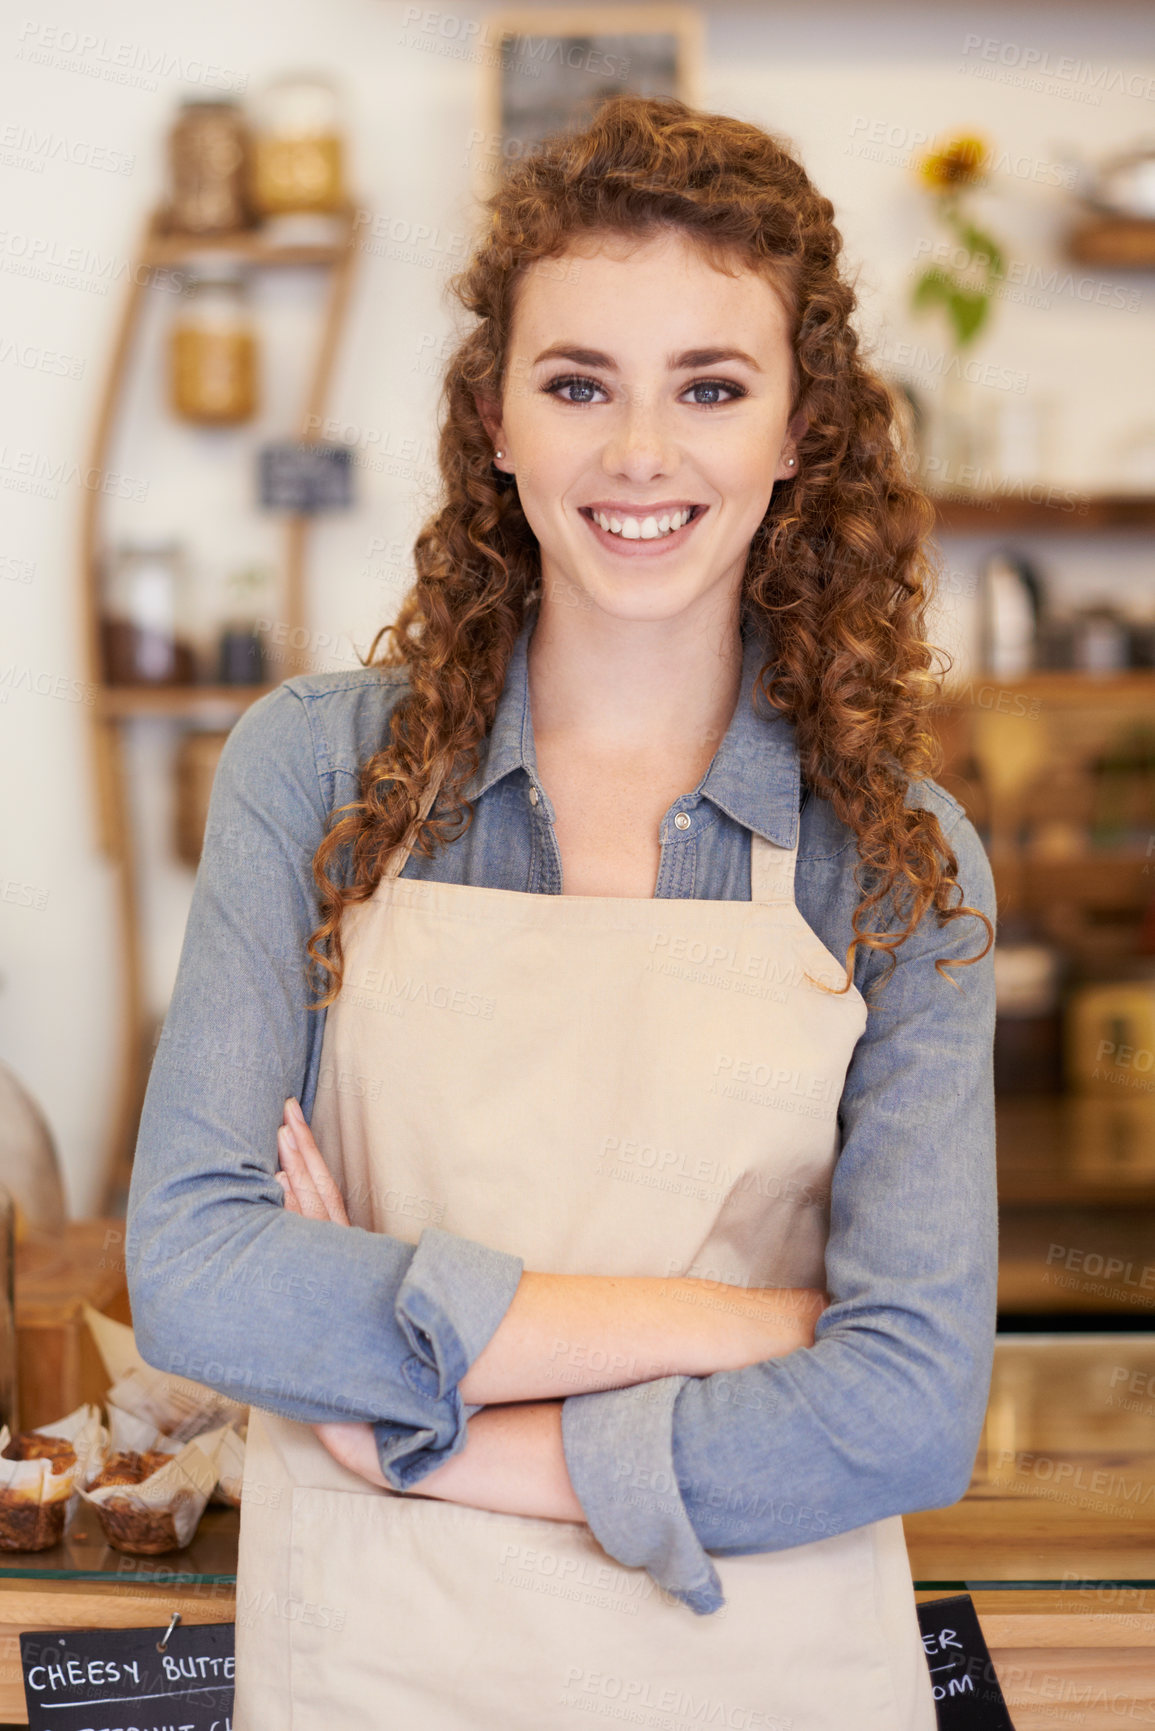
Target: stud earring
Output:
[
  {"x": 790, "y": 462},
  {"x": 499, "y": 453}
]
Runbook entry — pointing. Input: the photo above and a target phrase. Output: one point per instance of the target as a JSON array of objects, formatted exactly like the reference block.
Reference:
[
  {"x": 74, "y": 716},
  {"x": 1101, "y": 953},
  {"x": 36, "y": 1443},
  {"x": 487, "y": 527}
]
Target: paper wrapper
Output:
[
  {"x": 230, "y": 1465},
  {"x": 173, "y": 1405},
  {"x": 38, "y": 1506},
  {"x": 161, "y": 1513}
]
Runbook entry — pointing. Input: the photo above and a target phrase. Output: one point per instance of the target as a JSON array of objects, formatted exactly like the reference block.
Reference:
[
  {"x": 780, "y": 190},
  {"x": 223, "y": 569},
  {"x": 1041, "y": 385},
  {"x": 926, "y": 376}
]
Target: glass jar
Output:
[
  {"x": 142, "y": 639},
  {"x": 208, "y": 150},
  {"x": 240, "y": 643},
  {"x": 213, "y": 349},
  {"x": 298, "y": 153}
]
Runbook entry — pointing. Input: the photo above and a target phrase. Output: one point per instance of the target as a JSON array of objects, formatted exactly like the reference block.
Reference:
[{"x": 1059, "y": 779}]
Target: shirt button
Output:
[
  {"x": 533, "y": 795},
  {"x": 682, "y": 821}
]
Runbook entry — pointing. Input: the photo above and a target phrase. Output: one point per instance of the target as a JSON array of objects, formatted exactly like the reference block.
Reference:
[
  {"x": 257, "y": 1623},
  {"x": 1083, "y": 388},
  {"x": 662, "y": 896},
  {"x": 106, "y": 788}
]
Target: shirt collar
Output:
[{"x": 754, "y": 776}]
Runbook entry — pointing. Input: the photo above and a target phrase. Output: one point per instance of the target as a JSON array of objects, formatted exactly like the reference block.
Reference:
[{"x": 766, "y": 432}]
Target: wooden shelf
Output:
[
  {"x": 1115, "y": 242},
  {"x": 1060, "y": 687},
  {"x": 124, "y": 701},
  {"x": 1106, "y": 880},
  {"x": 1087, "y": 1150},
  {"x": 116, "y": 706},
  {"x": 249, "y": 246},
  {"x": 1071, "y": 513}
]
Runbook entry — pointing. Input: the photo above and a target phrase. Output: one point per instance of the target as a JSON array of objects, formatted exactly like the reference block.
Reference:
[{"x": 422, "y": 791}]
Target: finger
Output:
[
  {"x": 291, "y": 1202},
  {"x": 305, "y": 1191},
  {"x": 322, "y": 1179}
]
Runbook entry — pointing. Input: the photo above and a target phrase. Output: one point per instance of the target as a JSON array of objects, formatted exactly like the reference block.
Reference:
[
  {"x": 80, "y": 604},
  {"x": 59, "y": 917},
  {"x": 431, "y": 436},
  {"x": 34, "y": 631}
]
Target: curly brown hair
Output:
[{"x": 838, "y": 574}]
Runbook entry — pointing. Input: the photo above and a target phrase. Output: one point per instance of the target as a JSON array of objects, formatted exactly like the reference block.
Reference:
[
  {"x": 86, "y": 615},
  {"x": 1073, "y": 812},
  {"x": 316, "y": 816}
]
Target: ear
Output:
[
  {"x": 489, "y": 408},
  {"x": 786, "y": 469}
]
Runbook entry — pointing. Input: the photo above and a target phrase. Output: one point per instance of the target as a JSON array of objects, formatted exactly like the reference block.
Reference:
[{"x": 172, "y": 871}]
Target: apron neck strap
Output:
[{"x": 771, "y": 870}]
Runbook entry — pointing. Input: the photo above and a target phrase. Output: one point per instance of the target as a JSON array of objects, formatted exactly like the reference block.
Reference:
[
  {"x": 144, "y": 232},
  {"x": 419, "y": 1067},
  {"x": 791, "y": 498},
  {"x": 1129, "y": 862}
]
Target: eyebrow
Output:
[{"x": 689, "y": 358}]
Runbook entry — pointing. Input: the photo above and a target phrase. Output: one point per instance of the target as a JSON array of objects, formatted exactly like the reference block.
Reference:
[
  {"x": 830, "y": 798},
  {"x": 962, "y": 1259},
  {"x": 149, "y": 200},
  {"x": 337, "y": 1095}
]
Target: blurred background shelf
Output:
[
  {"x": 1062, "y": 686},
  {"x": 162, "y": 249},
  {"x": 1067, "y": 513},
  {"x": 117, "y": 706},
  {"x": 121, "y": 702},
  {"x": 1114, "y": 242}
]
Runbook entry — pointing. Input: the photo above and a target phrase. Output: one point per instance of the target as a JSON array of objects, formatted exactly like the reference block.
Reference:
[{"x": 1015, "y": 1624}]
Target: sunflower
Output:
[{"x": 960, "y": 162}]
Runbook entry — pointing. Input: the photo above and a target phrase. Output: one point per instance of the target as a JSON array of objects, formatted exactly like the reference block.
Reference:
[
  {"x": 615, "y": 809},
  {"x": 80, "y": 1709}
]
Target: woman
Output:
[{"x": 563, "y": 1422}]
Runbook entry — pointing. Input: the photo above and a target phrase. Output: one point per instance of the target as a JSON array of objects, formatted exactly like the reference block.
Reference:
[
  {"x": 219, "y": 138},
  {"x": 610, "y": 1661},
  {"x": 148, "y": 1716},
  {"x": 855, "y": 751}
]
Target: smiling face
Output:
[{"x": 645, "y": 415}]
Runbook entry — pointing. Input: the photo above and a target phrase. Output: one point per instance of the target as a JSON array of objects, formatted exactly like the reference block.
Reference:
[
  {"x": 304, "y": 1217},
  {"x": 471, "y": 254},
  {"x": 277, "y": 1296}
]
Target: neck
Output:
[{"x": 633, "y": 685}]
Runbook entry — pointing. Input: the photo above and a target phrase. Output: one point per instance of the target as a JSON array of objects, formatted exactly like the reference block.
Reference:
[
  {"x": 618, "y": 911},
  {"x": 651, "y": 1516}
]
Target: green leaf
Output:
[
  {"x": 933, "y": 288},
  {"x": 980, "y": 244},
  {"x": 968, "y": 311}
]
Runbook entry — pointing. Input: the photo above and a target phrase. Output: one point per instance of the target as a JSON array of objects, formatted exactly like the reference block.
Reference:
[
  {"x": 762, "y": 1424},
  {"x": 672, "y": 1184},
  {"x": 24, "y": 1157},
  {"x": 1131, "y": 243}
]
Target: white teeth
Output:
[{"x": 645, "y": 528}]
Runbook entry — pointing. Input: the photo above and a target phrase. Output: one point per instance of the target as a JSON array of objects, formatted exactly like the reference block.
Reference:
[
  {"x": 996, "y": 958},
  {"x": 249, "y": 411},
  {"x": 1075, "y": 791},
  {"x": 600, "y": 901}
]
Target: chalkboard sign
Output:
[
  {"x": 306, "y": 477},
  {"x": 117, "y": 1678},
  {"x": 967, "y": 1696}
]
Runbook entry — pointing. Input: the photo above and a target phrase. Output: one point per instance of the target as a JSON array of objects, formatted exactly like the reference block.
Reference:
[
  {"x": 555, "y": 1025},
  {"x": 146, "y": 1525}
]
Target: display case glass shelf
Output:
[{"x": 1062, "y": 1496}]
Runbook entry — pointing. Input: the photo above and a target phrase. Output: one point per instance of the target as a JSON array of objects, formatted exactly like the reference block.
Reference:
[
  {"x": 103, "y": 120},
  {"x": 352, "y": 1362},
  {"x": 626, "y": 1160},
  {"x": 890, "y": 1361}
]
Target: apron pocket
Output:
[{"x": 409, "y": 1611}]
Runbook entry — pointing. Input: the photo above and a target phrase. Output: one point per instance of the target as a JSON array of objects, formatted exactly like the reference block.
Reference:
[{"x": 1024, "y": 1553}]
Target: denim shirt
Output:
[{"x": 321, "y": 1322}]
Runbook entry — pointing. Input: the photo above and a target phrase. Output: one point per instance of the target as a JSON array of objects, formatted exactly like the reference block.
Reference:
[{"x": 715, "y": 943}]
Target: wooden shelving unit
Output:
[
  {"x": 1070, "y": 513},
  {"x": 1077, "y": 1171},
  {"x": 123, "y": 702},
  {"x": 1064, "y": 688},
  {"x": 1114, "y": 242},
  {"x": 117, "y": 707}
]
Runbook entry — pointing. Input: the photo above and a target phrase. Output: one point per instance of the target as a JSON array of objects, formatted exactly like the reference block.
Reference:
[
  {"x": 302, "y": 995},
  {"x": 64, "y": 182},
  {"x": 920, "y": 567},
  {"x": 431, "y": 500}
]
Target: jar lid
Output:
[
  {"x": 301, "y": 103},
  {"x": 1026, "y": 979}
]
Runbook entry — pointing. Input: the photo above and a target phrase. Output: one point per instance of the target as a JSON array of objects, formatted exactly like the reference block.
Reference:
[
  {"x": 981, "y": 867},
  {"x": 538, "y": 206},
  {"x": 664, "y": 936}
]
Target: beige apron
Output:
[{"x": 600, "y": 1085}]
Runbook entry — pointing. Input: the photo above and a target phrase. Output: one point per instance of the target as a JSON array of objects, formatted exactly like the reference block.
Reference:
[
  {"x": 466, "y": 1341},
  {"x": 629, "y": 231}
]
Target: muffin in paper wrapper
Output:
[
  {"x": 161, "y": 1511},
  {"x": 142, "y": 1404},
  {"x": 37, "y": 1504}
]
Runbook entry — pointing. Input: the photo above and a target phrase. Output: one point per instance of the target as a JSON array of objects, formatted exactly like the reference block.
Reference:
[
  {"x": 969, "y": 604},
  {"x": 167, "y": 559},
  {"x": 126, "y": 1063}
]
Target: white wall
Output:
[{"x": 853, "y": 86}]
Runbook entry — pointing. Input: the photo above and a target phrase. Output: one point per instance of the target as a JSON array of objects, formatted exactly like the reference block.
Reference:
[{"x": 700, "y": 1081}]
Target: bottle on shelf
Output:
[
  {"x": 213, "y": 349},
  {"x": 143, "y": 641},
  {"x": 240, "y": 644},
  {"x": 1028, "y": 1023},
  {"x": 298, "y": 150},
  {"x": 1009, "y": 609},
  {"x": 208, "y": 156}
]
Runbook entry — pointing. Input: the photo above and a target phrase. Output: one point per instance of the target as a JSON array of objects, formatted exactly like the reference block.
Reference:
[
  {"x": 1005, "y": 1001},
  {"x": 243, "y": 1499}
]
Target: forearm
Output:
[
  {"x": 576, "y": 1334},
  {"x": 301, "y": 1317},
  {"x": 512, "y": 1463}
]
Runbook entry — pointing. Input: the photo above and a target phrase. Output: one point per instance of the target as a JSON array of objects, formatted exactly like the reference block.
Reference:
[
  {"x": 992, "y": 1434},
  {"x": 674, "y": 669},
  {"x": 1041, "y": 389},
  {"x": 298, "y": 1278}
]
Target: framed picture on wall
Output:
[{"x": 548, "y": 68}]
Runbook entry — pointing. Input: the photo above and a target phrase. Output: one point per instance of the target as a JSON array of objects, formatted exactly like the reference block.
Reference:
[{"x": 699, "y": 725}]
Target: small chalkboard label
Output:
[
  {"x": 967, "y": 1696},
  {"x": 113, "y": 1679},
  {"x": 306, "y": 477}
]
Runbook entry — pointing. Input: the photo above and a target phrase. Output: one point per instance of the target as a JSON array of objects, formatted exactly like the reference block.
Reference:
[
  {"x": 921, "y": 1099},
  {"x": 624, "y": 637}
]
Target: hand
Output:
[
  {"x": 306, "y": 1180},
  {"x": 310, "y": 1191}
]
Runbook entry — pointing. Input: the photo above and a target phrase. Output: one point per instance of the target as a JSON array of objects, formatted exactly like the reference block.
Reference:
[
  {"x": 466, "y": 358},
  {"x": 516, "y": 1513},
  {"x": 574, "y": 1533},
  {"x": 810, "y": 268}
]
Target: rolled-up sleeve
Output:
[
  {"x": 882, "y": 1415},
  {"x": 313, "y": 1320}
]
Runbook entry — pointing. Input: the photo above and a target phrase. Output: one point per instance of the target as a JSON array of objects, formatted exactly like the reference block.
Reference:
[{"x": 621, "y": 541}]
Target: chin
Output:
[{"x": 642, "y": 598}]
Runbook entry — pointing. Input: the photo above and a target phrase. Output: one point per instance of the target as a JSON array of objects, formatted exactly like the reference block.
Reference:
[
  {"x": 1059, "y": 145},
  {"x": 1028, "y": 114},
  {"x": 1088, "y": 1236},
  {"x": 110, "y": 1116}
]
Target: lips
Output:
[{"x": 643, "y": 541}]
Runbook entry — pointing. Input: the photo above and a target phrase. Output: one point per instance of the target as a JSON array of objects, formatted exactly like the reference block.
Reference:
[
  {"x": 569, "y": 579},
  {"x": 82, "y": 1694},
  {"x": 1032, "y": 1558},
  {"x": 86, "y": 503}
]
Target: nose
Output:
[{"x": 640, "y": 446}]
